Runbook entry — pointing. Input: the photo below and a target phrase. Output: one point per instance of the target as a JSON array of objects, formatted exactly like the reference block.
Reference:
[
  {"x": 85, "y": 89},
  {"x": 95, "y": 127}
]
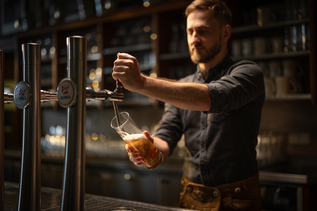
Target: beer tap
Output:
[
  {"x": 27, "y": 97},
  {"x": 67, "y": 94},
  {"x": 72, "y": 94},
  {"x": 103, "y": 95}
]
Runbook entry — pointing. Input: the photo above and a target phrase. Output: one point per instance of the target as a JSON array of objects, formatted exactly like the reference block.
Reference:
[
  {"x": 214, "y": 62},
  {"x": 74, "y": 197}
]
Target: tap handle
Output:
[
  {"x": 118, "y": 83},
  {"x": 119, "y": 86}
]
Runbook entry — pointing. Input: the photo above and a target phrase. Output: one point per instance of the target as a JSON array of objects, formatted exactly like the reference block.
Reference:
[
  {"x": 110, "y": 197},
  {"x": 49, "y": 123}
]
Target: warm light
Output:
[
  {"x": 146, "y": 28},
  {"x": 95, "y": 84},
  {"x": 108, "y": 5},
  {"x": 99, "y": 72},
  {"x": 47, "y": 137},
  {"x": 127, "y": 176},
  {"x": 16, "y": 24},
  {"x": 94, "y": 136},
  {"x": 43, "y": 52},
  {"x": 63, "y": 139},
  {"x": 92, "y": 76},
  {"x": 94, "y": 49},
  {"x": 146, "y": 4},
  {"x": 153, "y": 75},
  {"x": 52, "y": 140},
  {"x": 58, "y": 139},
  {"x": 52, "y": 50},
  {"x": 56, "y": 14},
  {"x": 153, "y": 36}
]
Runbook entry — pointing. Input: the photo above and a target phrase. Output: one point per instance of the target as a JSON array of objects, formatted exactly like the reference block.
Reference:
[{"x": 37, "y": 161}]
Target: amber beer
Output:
[
  {"x": 140, "y": 144},
  {"x": 136, "y": 140}
]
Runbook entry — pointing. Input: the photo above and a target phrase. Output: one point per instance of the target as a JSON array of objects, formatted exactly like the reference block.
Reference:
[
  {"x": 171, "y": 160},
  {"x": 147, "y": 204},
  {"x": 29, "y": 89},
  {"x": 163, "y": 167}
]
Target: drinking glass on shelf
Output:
[{"x": 136, "y": 140}]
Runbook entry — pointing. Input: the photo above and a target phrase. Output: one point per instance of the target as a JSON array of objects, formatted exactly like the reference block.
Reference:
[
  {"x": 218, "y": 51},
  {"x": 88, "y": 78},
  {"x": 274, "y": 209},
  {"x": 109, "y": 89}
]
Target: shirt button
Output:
[
  {"x": 237, "y": 190},
  {"x": 215, "y": 193},
  {"x": 189, "y": 188}
]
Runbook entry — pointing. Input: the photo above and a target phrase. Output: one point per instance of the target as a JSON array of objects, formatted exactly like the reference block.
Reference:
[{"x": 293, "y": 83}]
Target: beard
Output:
[{"x": 207, "y": 55}]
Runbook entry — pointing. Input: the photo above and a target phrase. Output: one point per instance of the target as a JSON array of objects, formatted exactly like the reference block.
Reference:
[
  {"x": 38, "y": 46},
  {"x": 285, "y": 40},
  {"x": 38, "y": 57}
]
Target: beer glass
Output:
[{"x": 136, "y": 140}]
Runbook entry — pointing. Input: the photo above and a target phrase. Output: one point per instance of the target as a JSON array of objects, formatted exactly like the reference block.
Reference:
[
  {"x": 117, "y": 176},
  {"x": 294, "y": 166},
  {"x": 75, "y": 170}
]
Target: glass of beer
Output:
[{"x": 136, "y": 140}]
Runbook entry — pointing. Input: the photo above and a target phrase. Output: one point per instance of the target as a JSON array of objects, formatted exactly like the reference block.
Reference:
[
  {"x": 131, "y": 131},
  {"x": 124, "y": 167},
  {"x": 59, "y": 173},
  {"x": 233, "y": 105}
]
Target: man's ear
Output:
[{"x": 227, "y": 32}]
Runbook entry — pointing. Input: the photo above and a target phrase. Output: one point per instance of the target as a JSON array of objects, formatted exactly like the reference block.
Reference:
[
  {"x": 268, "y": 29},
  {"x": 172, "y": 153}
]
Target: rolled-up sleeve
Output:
[
  {"x": 242, "y": 84},
  {"x": 170, "y": 127}
]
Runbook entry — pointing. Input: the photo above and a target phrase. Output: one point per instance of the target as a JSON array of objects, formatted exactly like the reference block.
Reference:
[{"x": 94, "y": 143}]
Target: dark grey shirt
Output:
[{"x": 221, "y": 142}]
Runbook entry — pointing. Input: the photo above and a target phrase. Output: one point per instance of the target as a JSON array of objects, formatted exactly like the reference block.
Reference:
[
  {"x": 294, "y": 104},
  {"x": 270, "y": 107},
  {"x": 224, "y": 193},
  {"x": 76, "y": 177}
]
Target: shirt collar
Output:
[{"x": 221, "y": 66}]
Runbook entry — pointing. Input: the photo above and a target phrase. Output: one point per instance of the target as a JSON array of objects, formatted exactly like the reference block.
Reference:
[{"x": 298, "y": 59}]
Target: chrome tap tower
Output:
[
  {"x": 27, "y": 97},
  {"x": 72, "y": 92}
]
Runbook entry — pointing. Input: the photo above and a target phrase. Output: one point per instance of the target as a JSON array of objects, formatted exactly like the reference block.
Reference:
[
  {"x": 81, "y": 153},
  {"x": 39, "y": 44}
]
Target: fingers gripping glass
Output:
[{"x": 136, "y": 140}]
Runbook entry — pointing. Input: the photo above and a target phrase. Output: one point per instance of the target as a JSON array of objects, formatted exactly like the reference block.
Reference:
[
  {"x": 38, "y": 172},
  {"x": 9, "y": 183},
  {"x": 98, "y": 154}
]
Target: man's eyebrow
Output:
[{"x": 200, "y": 27}]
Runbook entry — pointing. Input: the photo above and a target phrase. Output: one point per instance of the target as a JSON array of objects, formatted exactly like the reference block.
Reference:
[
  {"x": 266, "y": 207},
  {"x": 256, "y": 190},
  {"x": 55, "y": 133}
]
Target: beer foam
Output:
[{"x": 134, "y": 137}]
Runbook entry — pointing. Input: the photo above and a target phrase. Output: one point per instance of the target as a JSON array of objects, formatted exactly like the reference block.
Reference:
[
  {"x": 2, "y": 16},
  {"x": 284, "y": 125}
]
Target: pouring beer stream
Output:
[{"x": 118, "y": 89}]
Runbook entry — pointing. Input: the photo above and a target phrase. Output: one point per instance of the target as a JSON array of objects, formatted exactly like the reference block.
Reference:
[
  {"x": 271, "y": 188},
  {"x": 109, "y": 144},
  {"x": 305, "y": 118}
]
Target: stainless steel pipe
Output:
[
  {"x": 103, "y": 95},
  {"x": 47, "y": 96},
  {"x": 8, "y": 98},
  {"x": 27, "y": 95},
  {"x": 1, "y": 132},
  {"x": 73, "y": 193}
]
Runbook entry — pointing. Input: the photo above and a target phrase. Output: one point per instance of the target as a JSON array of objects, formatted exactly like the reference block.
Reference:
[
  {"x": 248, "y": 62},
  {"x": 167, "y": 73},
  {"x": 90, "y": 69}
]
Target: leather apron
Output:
[{"x": 241, "y": 195}]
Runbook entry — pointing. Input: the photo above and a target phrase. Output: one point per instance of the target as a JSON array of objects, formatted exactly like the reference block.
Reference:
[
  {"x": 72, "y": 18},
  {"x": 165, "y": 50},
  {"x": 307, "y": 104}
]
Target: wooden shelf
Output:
[
  {"x": 273, "y": 56},
  {"x": 141, "y": 47},
  {"x": 171, "y": 56},
  {"x": 242, "y": 29},
  {"x": 291, "y": 97}
]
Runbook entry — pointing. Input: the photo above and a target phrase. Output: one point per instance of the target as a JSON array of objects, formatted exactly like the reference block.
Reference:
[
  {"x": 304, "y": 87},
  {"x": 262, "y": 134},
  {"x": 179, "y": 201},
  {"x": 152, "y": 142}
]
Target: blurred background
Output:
[{"x": 279, "y": 35}]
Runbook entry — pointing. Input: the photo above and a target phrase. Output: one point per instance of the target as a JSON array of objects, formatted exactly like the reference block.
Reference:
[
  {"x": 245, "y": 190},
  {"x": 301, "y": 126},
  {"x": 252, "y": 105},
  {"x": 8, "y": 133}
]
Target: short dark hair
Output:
[{"x": 221, "y": 12}]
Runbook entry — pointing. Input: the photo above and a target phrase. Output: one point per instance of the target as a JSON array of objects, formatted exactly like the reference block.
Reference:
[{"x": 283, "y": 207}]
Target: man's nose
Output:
[{"x": 194, "y": 38}]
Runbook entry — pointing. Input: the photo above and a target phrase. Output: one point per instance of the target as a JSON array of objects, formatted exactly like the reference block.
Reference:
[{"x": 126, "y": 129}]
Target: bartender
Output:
[{"x": 217, "y": 109}]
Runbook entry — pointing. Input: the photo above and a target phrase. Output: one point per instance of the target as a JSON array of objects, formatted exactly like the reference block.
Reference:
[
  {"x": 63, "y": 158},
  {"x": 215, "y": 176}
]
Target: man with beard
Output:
[{"x": 217, "y": 109}]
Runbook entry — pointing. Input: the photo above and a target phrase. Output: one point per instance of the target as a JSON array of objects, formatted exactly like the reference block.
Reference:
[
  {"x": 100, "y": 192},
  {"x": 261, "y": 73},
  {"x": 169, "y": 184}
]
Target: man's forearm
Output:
[
  {"x": 184, "y": 95},
  {"x": 162, "y": 146}
]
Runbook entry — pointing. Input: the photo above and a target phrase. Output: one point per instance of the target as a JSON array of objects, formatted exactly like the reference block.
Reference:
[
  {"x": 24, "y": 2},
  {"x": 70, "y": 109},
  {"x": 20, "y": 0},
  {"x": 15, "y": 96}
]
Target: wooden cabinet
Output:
[{"x": 279, "y": 33}]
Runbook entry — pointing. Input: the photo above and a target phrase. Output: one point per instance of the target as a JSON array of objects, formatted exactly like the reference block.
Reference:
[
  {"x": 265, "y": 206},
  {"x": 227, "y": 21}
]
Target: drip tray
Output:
[{"x": 51, "y": 200}]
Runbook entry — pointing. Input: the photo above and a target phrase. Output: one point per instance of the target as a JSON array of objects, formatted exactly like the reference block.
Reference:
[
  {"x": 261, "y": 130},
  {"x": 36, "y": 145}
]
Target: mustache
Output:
[{"x": 197, "y": 45}]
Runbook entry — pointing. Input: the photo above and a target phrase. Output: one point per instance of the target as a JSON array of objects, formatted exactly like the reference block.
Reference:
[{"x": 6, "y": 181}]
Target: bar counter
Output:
[
  {"x": 119, "y": 181},
  {"x": 51, "y": 199}
]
